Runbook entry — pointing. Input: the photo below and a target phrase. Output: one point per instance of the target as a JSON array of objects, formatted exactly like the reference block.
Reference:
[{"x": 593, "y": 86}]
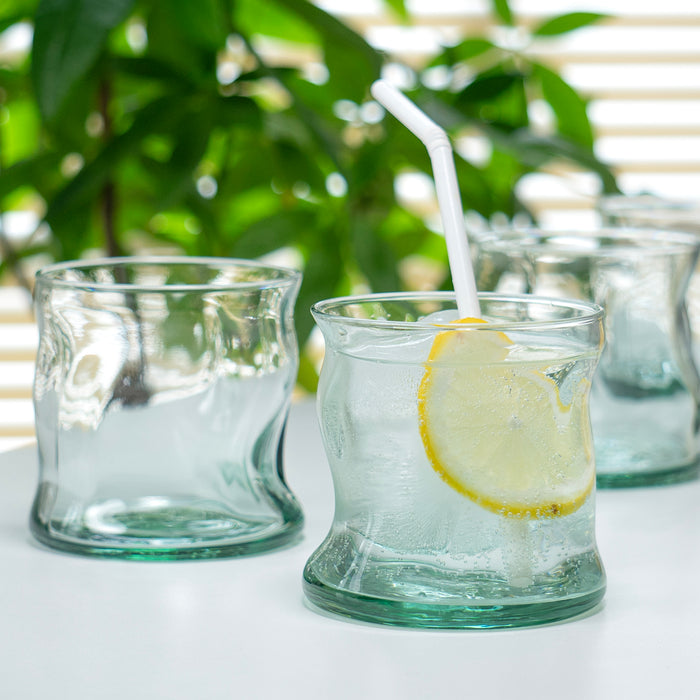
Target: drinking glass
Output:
[
  {"x": 462, "y": 461},
  {"x": 161, "y": 394},
  {"x": 649, "y": 211},
  {"x": 652, "y": 211},
  {"x": 644, "y": 401}
]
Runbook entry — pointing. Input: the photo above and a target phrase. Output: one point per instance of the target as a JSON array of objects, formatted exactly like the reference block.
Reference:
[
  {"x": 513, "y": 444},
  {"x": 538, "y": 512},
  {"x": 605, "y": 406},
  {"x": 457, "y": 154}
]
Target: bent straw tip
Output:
[
  {"x": 380, "y": 87},
  {"x": 440, "y": 150},
  {"x": 416, "y": 121}
]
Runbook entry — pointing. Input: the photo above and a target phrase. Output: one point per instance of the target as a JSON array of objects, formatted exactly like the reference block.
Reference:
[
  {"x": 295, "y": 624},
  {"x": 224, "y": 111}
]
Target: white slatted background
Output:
[
  {"x": 18, "y": 340},
  {"x": 641, "y": 70}
]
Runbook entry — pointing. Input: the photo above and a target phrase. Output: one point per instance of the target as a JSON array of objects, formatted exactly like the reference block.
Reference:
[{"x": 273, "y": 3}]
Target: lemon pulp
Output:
[{"x": 498, "y": 432}]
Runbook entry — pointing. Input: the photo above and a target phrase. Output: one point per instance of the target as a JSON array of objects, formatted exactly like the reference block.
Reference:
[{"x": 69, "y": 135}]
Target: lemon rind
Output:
[{"x": 536, "y": 509}]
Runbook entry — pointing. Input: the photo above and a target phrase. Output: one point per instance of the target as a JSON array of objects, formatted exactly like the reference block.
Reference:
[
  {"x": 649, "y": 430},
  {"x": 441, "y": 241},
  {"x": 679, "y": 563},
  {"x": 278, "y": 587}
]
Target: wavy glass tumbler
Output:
[
  {"x": 644, "y": 400},
  {"x": 409, "y": 544},
  {"x": 161, "y": 394},
  {"x": 650, "y": 211}
]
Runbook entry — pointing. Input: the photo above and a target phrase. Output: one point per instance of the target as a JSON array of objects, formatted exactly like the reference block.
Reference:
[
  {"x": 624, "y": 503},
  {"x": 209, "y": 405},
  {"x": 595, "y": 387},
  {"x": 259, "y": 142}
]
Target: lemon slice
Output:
[{"x": 499, "y": 433}]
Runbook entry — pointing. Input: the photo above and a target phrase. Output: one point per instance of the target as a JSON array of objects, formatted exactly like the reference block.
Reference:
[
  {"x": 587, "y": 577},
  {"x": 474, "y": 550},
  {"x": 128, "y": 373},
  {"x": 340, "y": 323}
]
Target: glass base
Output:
[
  {"x": 442, "y": 609},
  {"x": 651, "y": 477},
  {"x": 166, "y": 529}
]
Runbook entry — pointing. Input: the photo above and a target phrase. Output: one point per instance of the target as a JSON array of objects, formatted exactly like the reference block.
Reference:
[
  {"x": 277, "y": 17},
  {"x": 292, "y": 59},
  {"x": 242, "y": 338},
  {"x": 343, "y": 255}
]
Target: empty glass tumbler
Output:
[
  {"x": 462, "y": 461},
  {"x": 650, "y": 211},
  {"x": 161, "y": 394},
  {"x": 660, "y": 213},
  {"x": 644, "y": 400}
]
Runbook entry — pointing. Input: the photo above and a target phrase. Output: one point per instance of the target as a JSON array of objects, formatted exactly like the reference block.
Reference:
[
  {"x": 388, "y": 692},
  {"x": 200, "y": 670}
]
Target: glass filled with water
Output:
[
  {"x": 462, "y": 461},
  {"x": 161, "y": 394}
]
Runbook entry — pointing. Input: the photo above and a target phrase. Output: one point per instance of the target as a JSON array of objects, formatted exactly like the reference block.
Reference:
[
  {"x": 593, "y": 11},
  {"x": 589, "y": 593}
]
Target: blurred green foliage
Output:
[{"x": 140, "y": 124}]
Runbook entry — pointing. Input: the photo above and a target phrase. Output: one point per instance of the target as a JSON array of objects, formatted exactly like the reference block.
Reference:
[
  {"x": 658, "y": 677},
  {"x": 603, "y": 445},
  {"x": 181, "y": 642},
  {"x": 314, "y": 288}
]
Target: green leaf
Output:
[
  {"x": 399, "y": 7},
  {"x": 14, "y": 11},
  {"x": 168, "y": 43},
  {"x": 476, "y": 187},
  {"x": 568, "y": 106},
  {"x": 470, "y": 48},
  {"x": 31, "y": 171},
  {"x": 487, "y": 87},
  {"x": 567, "y": 23},
  {"x": 14, "y": 84},
  {"x": 290, "y": 143},
  {"x": 313, "y": 107},
  {"x": 352, "y": 62},
  {"x": 11, "y": 8},
  {"x": 496, "y": 96},
  {"x": 536, "y": 150},
  {"x": 233, "y": 112},
  {"x": 203, "y": 21},
  {"x": 70, "y": 237},
  {"x": 322, "y": 274},
  {"x": 67, "y": 128},
  {"x": 307, "y": 377},
  {"x": 272, "y": 233},
  {"x": 504, "y": 169},
  {"x": 191, "y": 137},
  {"x": 82, "y": 191},
  {"x": 68, "y": 38},
  {"x": 149, "y": 68},
  {"x": 253, "y": 17},
  {"x": 502, "y": 10},
  {"x": 374, "y": 256},
  {"x": 20, "y": 132},
  {"x": 405, "y": 232}
]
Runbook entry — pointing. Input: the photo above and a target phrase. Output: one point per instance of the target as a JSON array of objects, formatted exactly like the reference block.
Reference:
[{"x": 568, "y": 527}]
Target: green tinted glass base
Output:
[
  {"x": 656, "y": 477},
  {"x": 171, "y": 531},
  {"x": 429, "y": 611}
]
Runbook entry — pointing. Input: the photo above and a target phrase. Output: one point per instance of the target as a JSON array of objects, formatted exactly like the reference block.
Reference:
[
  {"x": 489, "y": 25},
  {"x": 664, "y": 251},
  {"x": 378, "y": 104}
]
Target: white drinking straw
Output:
[{"x": 440, "y": 151}]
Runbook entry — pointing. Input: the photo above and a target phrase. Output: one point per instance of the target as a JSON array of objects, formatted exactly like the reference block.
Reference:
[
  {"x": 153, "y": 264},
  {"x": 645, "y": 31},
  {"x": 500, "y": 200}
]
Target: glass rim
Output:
[
  {"x": 589, "y": 312},
  {"x": 671, "y": 240},
  {"x": 647, "y": 203},
  {"x": 277, "y": 275}
]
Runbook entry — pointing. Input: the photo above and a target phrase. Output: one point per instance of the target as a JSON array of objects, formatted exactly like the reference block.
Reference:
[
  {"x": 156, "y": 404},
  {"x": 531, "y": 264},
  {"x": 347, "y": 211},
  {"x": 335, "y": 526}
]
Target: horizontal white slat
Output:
[
  {"x": 568, "y": 219},
  {"x": 412, "y": 45},
  {"x": 18, "y": 341},
  {"x": 639, "y": 80},
  {"x": 611, "y": 43},
  {"x": 579, "y": 188},
  {"x": 681, "y": 151},
  {"x": 617, "y": 8},
  {"x": 578, "y": 191},
  {"x": 645, "y": 116},
  {"x": 526, "y": 11},
  {"x": 15, "y": 304},
  {"x": 16, "y": 417},
  {"x": 597, "y": 44},
  {"x": 16, "y": 379},
  {"x": 672, "y": 185}
]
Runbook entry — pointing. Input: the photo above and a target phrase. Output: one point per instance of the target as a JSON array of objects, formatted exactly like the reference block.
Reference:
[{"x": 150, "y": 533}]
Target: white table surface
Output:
[{"x": 83, "y": 628}]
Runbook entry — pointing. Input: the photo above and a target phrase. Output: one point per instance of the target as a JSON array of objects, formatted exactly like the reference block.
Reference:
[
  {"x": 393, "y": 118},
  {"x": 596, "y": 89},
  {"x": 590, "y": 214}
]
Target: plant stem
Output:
[
  {"x": 108, "y": 207},
  {"x": 130, "y": 387},
  {"x": 108, "y": 200}
]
